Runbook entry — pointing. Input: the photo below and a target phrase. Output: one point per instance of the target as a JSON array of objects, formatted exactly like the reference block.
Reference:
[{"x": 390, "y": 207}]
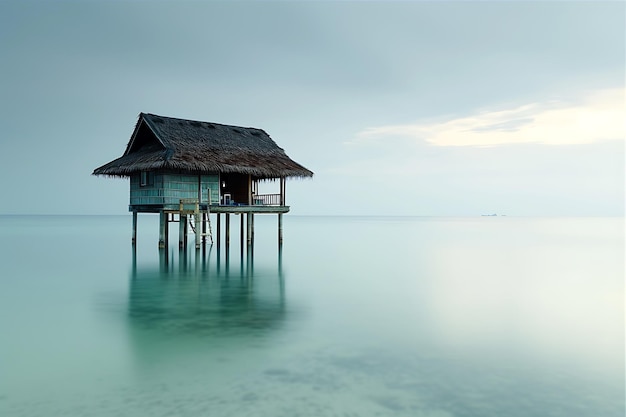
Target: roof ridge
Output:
[{"x": 199, "y": 121}]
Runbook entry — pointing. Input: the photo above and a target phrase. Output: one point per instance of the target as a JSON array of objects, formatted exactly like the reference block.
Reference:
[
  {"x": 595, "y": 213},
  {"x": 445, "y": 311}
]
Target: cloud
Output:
[{"x": 599, "y": 116}]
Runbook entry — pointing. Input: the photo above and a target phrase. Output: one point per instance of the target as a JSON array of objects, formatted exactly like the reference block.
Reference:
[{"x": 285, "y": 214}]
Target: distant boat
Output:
[{"x": 489, "y": 215}]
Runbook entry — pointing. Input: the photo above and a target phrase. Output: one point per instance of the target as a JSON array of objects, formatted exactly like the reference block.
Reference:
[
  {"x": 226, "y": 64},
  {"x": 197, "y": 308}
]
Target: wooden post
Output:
[
  {"x": 241, "y": 234},
  {"x": 249, "y": 189},
  {"x": 280, "y": 191},
  {"x": 280, "y": 230},
  {"x": 182, "y": 259},
  {"x": 218, "y": 231},
  {"x": 280, "y": 269},
  {"x": 185, "y": 230},
  {"x": 227, "y": 243},
  {"x": 134, "y": 237},
  {"x": 182, "y": 231},
  {"x": 249, "y": 226},
  {"x": 196, "y": 217},
  {"x": 162, "y": 227},
  {"x": 167, "y": 230},
  {"x": 204, "y": 216},
  {"x": 252, "y": 230}
]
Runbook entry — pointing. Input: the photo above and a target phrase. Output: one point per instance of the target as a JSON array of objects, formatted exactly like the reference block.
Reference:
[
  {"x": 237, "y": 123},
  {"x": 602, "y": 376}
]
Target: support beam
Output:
[
  {"x": 280, "y": 230},
  {"x": 282, "y": 191},
  {"x": 186, "y": 230},
  {"x": 182, "y": 231},
  {"x": 196, "y": 217},
  {"x": 218, "y": 231},
  {"x": 182, "y": 259},
  {"x": 249, "y": 226},
  {"x": 167, "y": 230},
  {"x": 252, "y": 230},
  {"x": 134, "y": 236},
  {"x": 162, "y": 227},
  {"x": 227, "y": 243},
  {"x": 241, "y": 234},
  {"x": 249, "y": 189},
  {"x": 204, "y": 220}
]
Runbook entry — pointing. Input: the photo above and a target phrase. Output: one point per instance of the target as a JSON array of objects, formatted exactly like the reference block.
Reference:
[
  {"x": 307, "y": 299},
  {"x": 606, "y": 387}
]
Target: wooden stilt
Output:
[
  {"x": 167, "y": 230},
  {"x": 218, "y": 257},
  {"x": 204, "y": 256},
  {"x": 182, "y": 257},
  {"x": 162, "y": 227},
  {"x": 249, "y": 190},
  {"x": 218, "y": 231},
  {"x": 241, "y": 245},
  {"x": 185, "y": 230},
  {"x": 241, "y": 234},
  {"x": 182, "y": 231},
  {"x": 204, "y": 216},
  {"x": 227, "y": 243},
  {"x": 134, "y": 237},
  {"x": 280, "y": 230},
  {"x": 198, "y": 229},
  {"x": 252, "y": 231},
  {"x": 249, "y": 226},
  {"x": 227, "y": 240}
]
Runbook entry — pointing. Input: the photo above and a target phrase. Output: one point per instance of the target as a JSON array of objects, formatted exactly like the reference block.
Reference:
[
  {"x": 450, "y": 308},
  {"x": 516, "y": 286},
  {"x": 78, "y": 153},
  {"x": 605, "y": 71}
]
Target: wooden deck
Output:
[
  {"x": 213, "y": 208},
  {"x": 248, "y": 209},
  {"x": 197, "y": 215}
]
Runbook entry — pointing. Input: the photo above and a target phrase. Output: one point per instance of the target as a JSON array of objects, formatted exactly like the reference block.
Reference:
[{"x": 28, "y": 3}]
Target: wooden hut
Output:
[{"x": 180, "y": 168}]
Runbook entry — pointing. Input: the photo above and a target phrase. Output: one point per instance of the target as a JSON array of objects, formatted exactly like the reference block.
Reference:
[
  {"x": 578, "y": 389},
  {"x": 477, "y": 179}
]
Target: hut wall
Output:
[
  {"x": 211, "y": 182},
  {"x": 166, "y": 190},
  {"x": 146, "y": 195}
]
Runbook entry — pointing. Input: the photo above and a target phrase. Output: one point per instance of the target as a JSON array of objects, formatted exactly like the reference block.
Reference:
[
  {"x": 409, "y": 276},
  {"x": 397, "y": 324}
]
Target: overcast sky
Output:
[{"x": 401, "y": 108}]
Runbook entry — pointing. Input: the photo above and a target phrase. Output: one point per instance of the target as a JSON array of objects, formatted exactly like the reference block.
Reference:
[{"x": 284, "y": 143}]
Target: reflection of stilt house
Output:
[{"x": 183, "y": 168}]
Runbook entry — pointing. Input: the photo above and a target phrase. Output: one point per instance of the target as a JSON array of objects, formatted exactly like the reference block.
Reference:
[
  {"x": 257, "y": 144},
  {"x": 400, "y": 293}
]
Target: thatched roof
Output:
[{"x": 200, "y": 147}]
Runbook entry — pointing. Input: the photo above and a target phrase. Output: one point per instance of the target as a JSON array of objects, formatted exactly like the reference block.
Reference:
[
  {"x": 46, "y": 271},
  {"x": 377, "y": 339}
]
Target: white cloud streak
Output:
[{"x": 599, "y": 116}]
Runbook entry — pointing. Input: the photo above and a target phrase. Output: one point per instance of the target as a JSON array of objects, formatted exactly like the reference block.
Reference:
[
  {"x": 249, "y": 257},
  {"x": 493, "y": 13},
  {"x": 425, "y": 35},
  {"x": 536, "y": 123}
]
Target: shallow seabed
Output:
[{"x": 416, "y": 316}]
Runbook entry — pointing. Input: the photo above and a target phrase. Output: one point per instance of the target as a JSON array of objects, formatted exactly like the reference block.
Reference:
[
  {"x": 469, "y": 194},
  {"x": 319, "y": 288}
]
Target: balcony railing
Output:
[{"x": 266, "y": 200}]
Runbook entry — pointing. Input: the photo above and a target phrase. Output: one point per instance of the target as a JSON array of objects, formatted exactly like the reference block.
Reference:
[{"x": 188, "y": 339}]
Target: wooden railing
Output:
[
  {"x": 183, "y": 205},
  {"x": 267, "y": 200}
]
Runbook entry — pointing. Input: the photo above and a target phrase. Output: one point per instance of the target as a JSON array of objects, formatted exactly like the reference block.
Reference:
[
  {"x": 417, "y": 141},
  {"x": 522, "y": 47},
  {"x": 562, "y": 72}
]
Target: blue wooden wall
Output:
[{"x": 164, "y": 189}]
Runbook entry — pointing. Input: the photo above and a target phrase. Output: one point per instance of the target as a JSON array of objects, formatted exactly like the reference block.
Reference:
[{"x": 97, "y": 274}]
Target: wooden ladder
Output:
[
  {"x": 195, "y": 215},
  {"x": 192, "y": 224}
]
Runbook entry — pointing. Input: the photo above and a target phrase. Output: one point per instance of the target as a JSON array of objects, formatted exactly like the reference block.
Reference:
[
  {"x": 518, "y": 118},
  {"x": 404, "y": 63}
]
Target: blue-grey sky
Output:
[{"x": 402, "y": 108}]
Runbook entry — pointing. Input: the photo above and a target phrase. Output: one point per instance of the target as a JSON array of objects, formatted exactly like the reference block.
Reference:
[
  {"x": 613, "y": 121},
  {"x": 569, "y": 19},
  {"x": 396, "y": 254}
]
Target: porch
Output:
[
  {"x": 262, "y": 203},
  {"x": 191, "y": 212}
]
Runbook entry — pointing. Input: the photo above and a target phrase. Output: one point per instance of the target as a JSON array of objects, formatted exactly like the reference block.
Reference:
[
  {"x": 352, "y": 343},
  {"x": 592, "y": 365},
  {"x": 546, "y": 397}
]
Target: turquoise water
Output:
[{"x": 443, "y": 317}]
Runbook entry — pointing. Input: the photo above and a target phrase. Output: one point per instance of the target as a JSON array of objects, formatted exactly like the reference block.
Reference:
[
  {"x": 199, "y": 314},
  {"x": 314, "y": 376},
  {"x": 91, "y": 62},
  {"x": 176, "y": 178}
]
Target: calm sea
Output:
[{"x": 487, "y": 316}]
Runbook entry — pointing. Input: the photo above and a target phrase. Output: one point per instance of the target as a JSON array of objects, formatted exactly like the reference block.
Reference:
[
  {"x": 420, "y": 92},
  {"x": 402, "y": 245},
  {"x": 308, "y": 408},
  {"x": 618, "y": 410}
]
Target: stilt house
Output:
[{"x": 173, "y": 163}]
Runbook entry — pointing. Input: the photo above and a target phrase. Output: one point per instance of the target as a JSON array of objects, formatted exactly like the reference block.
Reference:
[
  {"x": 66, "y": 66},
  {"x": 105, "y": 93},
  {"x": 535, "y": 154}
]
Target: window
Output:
[{"x": 147, "y": 178}]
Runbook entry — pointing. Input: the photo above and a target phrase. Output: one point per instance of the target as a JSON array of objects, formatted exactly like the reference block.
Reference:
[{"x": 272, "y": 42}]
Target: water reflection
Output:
[{"x": 188, "y": 303}]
